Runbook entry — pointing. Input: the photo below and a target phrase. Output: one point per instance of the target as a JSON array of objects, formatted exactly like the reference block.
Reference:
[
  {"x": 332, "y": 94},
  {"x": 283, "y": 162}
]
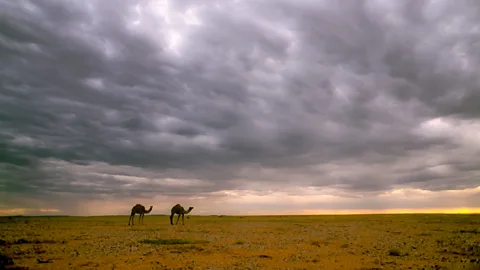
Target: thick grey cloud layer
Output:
[{"x": 116, "y": 98}]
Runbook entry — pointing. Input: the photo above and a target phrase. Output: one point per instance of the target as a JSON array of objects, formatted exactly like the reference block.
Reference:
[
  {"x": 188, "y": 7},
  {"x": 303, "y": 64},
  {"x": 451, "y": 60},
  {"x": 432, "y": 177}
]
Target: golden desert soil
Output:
[{"x": 223, "y": 242}]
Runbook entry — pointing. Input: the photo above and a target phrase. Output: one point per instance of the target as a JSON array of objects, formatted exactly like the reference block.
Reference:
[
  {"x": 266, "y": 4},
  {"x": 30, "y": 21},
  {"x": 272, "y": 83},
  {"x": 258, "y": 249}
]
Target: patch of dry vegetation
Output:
[
  {"x": 226, "y": 242},
  {"x": 171, "y": 241}
]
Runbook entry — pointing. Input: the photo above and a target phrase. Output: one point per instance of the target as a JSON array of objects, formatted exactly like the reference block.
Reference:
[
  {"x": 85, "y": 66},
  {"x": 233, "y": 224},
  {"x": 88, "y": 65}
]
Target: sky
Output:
[{"x": 239, "y": 107}]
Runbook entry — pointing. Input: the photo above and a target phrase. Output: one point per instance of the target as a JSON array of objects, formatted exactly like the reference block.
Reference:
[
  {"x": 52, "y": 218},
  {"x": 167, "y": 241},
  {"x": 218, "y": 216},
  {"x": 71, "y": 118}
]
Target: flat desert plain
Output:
[{"x": 251, "y": 242}]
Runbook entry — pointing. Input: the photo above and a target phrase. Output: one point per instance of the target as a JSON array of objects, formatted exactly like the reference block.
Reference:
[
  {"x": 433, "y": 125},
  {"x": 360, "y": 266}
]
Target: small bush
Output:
[
  {"x": 473, "y": 231},
  {"x": 33, "y": 241},
  {"x": 473, "y": 249},
  {"x": 171, "y": 241},
  {"x": 5, "y": 260},
  {"x": 394, "y": 252},
  {"x": 182, "y": 249}
]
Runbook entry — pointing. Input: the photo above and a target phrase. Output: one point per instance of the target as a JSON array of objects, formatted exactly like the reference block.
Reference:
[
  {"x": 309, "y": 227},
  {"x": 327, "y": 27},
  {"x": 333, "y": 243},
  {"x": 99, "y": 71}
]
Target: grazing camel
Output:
[
  {"x": 138, "y": 209},
  {"x": 180, "y": 211}
]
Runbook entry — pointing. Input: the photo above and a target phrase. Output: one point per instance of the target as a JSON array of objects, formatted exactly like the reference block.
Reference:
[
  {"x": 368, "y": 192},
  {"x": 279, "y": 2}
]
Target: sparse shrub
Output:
[
  {"x": 44, "y": 261},
  {"x": 171, "y": 241},
  {"x": 5, "y": 260},
  {"x": 344, "y": 246},
  {"x": 459, "y": 245},
  {"x": 187, "y": 248},
  {"x": 394, "y": 252},
  {"x": 473, "y": 249},
  {"x": 316, "y": 243},
  {"x": 35, "y": 241},
  {"x": 239, "y": 242},
  {"x": 196, "y": 248},
  {"x": 474, "y": 231}
]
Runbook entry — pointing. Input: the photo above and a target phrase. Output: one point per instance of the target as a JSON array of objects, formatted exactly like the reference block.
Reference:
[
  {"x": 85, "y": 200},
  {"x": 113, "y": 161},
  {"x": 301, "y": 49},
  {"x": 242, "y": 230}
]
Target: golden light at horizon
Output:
[{"x": 394, "y": 211}]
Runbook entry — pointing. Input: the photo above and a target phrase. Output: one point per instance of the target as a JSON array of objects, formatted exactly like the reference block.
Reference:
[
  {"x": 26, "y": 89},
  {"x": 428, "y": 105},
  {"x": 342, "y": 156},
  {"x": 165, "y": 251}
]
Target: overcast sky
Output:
[{"x": 239, "y": 107}]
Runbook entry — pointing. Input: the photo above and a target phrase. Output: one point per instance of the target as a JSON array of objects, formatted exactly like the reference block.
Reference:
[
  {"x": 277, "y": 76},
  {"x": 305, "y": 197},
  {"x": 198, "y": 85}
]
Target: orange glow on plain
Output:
[{"x": 393, "y": 211}]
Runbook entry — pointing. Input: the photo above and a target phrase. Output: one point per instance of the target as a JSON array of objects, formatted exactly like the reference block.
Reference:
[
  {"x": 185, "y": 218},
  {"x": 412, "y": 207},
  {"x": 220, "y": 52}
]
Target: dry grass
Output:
[{"x": 214, "y": 242}]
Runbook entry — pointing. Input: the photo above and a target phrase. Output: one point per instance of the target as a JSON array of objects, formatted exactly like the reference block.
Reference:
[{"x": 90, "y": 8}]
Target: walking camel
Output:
[
  {"x": 180, "y": 211},
  {"x": 138, "y": 209}
]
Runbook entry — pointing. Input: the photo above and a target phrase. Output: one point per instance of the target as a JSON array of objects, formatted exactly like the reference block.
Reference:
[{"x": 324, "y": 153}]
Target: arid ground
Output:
[{"x": 223, "y": 242}]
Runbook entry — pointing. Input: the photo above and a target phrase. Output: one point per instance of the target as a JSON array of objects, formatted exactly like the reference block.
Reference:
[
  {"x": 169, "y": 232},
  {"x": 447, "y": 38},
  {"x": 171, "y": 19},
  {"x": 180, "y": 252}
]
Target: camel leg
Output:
[
  {"x": 132, "y": 217},
  {"x": 143, "y": 217},
  {"x": 183, "y": 221},
  {"x": 171, "y": 219},
  {"x": 177, "y": 219},
  {"x": 139, "y": 217}
]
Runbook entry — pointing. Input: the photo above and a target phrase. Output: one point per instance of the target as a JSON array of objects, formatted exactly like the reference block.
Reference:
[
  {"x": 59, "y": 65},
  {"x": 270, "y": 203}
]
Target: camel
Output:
[
  {"x": 138, "y": 209},
  {"x": 180, "y": 211}
]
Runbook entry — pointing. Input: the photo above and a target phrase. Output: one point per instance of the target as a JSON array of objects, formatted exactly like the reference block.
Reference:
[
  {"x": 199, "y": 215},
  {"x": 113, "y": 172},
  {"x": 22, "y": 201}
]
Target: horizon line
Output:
[
  {"x": 255, "y": 215},
  {"x": 304, "y": 212}
]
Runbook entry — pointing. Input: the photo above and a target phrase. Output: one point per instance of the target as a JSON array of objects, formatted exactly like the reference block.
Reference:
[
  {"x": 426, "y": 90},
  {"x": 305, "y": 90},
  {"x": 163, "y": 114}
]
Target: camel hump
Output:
[{"x": 137, "y": 207}]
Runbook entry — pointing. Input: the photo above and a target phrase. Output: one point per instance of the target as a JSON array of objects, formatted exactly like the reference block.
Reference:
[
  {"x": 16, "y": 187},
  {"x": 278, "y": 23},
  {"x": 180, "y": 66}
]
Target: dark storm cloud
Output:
[{"x": 272, "y": 92}]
